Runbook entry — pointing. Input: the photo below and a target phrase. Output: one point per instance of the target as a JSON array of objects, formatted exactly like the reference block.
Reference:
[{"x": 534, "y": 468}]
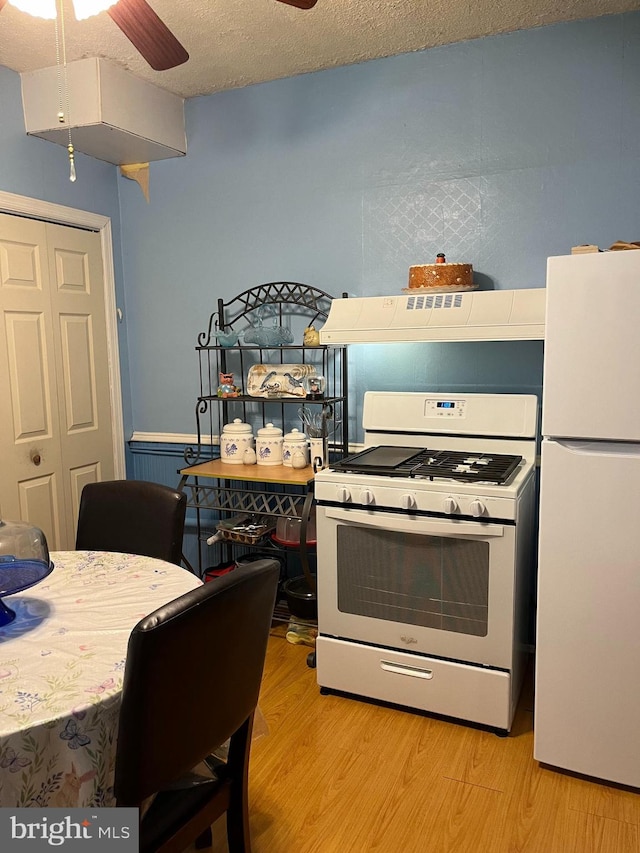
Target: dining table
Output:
[{"x": 62, "y": 662}]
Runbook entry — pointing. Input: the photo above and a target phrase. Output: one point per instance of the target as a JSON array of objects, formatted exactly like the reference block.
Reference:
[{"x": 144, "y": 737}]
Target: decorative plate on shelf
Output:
[{"x": 278, "y": 380}]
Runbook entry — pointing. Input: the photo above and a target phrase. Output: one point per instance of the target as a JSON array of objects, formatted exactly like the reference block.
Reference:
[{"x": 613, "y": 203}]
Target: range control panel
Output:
[
  {"x": 371, "y": 493},
  {"x": 446, "y": 408},
  {"x": 504, "y": 415}
]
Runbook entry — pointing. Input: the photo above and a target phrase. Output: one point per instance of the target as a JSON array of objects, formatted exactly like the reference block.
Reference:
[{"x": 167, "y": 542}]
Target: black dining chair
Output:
[
  {"x": 191, "y": 683},
  {"x": 132, "y": 516}
]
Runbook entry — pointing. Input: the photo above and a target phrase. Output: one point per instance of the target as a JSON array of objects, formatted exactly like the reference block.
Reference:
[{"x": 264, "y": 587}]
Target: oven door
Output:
[{"x": 432, "y": 586}]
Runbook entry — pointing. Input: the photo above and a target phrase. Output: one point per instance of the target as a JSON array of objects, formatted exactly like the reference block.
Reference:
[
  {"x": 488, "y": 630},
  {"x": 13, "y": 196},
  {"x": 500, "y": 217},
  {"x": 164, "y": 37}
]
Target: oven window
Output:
[{"x": 437, "y": 582}]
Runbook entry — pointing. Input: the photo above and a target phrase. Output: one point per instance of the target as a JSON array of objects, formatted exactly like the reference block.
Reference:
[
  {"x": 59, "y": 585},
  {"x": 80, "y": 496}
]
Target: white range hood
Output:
[{"x": 480, "y": 315}]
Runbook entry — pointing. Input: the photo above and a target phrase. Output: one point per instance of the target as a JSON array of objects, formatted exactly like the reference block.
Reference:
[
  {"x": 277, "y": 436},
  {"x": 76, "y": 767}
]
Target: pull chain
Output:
[{"x": 61, "y": 66}]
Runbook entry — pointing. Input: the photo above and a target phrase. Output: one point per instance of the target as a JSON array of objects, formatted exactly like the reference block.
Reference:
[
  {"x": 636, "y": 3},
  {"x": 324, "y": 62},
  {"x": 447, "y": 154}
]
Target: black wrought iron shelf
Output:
[
  {"x": 299, "y": 401},
  {"x": 242, "y": 499},
  {"x": 269, "y": 347},
  {"x": 213, "y": 489},
  {"x": 282, "y": 475}
]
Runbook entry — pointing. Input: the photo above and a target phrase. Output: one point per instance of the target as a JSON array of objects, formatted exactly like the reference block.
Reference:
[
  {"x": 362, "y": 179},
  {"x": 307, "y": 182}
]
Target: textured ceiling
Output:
[{"x": 234, "y": 43}]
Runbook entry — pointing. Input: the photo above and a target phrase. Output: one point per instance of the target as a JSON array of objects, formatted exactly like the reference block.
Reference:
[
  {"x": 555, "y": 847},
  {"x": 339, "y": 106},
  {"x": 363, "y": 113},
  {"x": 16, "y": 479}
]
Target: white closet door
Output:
[
  {"x": 82, "y": 362},
  {"x": 55, "y": 424}
]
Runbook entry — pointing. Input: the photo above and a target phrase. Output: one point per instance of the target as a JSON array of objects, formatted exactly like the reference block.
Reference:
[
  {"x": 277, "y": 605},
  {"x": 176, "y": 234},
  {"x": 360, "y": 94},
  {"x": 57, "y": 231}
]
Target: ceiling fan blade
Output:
[
  {"x": 148, "y": 34},
  {"x": 300, "y": 4}
]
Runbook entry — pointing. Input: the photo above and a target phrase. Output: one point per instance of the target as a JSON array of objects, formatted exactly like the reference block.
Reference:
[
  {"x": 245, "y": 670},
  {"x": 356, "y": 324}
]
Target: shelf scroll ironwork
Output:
[
  {"x": 238, "y": 500},
  {"x": 316, "y": 304}
]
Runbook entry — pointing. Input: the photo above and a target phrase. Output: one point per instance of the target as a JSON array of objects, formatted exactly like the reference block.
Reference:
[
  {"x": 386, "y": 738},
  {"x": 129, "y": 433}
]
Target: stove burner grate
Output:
[{"x": 469, "y": 467}]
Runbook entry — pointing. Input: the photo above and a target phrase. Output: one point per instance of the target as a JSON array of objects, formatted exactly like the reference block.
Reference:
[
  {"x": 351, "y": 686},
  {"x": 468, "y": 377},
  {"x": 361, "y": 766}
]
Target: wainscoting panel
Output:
[{"x": 160, "y": 462}]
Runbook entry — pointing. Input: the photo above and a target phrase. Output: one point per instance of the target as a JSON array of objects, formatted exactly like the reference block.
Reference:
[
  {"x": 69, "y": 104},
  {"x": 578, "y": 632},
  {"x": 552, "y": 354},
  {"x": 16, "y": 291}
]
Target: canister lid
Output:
[
  {"x": 295, "y": 435},
  {"x": 269, "y": 431},
  {"x": 237, "y": 427}
]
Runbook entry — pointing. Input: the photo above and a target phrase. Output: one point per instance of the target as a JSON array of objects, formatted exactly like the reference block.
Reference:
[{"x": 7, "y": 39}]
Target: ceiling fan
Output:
[{"x": 137, "y": 20}]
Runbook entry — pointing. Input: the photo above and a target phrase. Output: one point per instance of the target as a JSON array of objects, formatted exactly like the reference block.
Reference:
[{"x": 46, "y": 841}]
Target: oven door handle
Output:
[
  {"x": 416, "y": 524},
  {"x": 406, "y": 669}
]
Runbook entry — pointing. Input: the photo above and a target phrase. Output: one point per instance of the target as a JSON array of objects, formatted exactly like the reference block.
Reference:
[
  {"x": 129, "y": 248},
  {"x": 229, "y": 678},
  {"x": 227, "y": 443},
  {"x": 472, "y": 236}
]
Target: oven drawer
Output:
[{"x": 456, "y": 690}]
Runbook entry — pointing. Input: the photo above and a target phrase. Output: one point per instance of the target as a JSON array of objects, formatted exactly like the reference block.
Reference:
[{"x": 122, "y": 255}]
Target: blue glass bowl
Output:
[{"x": 16, "y": 575}]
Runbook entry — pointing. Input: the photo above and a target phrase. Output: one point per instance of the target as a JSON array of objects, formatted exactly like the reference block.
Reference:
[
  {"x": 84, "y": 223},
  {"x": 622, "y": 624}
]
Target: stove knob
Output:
[
  {"x": 344, "y": 495},
  {"x": 477, "y": 508},
  {"x": 366, "y": 497},
  {"x": 450, "y": 505},
  {"x": 408, "y": 502}
]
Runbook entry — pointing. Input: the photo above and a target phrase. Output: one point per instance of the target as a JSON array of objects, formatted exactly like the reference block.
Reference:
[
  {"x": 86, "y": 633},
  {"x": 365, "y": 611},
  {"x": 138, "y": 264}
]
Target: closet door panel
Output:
[
  {"x": 55, "y": 424},
  {"x": 30, "y": 487},
  {"x": 78, "y": 308}
]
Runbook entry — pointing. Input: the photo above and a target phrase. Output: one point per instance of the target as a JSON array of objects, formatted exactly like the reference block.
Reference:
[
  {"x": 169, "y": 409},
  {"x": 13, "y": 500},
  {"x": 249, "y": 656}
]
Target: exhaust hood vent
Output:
[{"x": 481, "y": 315}]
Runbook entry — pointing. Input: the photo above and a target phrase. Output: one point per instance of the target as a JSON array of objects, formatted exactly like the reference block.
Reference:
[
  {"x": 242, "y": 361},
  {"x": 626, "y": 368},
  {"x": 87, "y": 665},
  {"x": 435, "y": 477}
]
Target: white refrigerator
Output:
[{"x": 587, "y": 691}]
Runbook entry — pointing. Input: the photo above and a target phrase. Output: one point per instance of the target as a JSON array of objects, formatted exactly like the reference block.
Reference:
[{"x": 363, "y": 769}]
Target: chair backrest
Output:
[
  {"x": 192, "y": 678},
  {"x": 132, "y": 516}
]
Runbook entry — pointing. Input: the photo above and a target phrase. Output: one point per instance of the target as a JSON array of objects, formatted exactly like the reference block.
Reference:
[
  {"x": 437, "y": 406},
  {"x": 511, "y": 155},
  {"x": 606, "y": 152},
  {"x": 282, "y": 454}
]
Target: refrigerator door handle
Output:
[{"x": 599, "y": 448}]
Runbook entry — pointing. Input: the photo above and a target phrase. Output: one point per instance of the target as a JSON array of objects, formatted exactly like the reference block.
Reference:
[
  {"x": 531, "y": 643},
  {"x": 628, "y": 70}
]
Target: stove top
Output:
[
  {"x": 425, "y": 464},
  {"x": 459, "y": 456}
]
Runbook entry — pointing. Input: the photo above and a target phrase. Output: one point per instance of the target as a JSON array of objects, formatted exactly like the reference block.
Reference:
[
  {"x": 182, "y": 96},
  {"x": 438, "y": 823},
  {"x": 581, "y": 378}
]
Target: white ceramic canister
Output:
[
  {"x": 235, "y": 439},
  {"x": 269, "y": 445},
  {"x": 294, "y": 441}
]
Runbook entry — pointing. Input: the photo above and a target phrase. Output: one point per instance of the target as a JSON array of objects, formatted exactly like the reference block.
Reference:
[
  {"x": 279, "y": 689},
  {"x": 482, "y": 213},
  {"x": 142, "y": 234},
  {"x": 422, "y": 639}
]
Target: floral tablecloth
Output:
[{"x": 61, "y": 668}]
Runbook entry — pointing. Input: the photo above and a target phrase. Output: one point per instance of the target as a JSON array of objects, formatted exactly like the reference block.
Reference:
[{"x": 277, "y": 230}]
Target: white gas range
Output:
[{"x": 425, "y": 542}]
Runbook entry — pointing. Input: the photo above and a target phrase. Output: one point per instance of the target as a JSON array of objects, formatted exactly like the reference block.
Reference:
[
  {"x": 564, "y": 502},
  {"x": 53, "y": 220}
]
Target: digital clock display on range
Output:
[{"x": 445, "y": 405}]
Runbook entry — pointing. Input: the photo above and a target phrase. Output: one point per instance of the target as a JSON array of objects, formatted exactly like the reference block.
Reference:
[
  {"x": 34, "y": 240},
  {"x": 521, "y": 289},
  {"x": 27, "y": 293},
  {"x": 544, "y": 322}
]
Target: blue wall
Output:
[
  {"x": 39, "y": 169},
  {"x": 499, "y": 152}
]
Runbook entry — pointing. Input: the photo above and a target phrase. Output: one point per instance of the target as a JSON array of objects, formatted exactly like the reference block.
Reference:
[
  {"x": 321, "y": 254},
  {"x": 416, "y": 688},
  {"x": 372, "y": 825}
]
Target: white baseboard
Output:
[
  {"x": 172, "y": 438},
  {"x": 191, "y": 440}
]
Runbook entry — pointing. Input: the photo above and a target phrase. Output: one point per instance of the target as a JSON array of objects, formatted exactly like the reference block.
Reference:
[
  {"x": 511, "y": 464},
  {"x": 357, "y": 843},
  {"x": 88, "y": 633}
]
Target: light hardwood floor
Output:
[{"x": 337, "y": 775}]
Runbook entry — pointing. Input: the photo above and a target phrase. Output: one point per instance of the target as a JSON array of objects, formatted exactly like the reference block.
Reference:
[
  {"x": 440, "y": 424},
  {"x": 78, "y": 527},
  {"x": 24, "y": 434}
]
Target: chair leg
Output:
[
  {"x": 205, "y": 840},
  {"x": 238, "y": 830}
]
